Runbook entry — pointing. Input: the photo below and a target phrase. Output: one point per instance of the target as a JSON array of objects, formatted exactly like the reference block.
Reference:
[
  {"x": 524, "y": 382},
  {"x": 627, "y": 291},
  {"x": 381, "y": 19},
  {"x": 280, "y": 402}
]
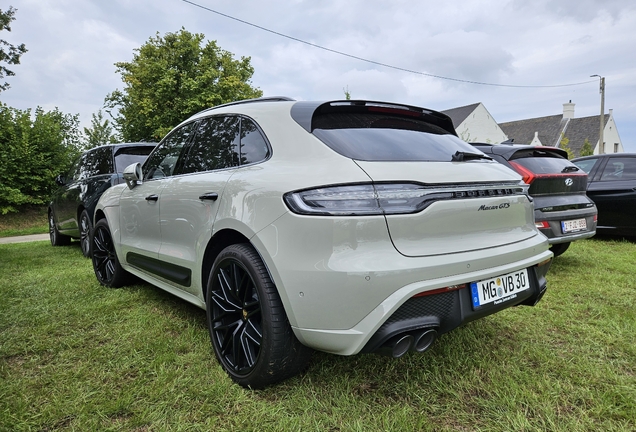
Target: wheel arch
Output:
[
  {"x": 80, "y": 209},
  {"x": 219, "y": 241},
  {"x": 99, "y": 214}
]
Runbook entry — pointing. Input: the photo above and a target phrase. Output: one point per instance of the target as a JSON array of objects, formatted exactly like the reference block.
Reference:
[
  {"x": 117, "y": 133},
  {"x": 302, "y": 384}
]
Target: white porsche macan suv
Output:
[{"x": 343, "y": 226}]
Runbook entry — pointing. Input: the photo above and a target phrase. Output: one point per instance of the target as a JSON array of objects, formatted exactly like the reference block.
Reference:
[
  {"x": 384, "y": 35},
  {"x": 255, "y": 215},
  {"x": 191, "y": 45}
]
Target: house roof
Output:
[
  {"x": 581, "y": 128},
  {"x": 522, "y": 131},
  {"x": 551, "y": 127},
  {"x": 459, "y": 114}
]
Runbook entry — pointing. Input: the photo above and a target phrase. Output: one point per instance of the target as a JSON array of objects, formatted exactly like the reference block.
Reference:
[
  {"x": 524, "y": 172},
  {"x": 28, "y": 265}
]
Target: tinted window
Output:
[
  {"x": 586, "y": 164},
  {"x": 619, "y": 169},
  {"x": 163, "y": 160},
  {"x": 215, "y": 145},
  {"x": 253, "y": 147},
  {"x": 130, "y": 155},
  {"x": 96, "y": 162},
  {"x": 74, "y": 173},
  {"x": 376, "y": 137},
  {"x": 547, "y": 165}
]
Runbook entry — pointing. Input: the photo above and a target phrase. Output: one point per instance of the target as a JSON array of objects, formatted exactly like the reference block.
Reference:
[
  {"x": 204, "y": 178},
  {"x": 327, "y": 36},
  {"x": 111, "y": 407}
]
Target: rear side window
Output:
[
  {"x": 252, "y": 147},
  {"x": 619, "y": 169},
  {"x": 214, "y": 144},
  {"x": 384, "y": 137},
  {"x": 96, "y": 162},
  {"x": 130, "y": 155}
]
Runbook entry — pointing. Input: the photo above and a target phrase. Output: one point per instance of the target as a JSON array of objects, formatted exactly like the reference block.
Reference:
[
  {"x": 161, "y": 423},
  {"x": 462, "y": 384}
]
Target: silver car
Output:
[{"x": 343, "y": 226}]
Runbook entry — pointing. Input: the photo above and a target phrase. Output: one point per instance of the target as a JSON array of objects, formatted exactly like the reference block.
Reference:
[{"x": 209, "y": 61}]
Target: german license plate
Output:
[
  {"x": 499, "y": 289},
  {"x": 573, "y": 225}
]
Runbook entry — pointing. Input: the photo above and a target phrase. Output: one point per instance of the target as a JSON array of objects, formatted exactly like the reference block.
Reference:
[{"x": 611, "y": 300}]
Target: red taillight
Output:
[
  {"x": 543, "y": 224},
  {"x": 527, "y": 175},
  {"x": 440, "y": 290},
  {"x": 595, "y": 218}
]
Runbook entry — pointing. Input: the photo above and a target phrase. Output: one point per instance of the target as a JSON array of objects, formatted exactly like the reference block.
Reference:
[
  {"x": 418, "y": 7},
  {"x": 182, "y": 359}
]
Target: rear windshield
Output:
[
  {"x": 548, "y": 165},
  {"x": 379, "y": 137},
  {"x": 130, "y": 155}
]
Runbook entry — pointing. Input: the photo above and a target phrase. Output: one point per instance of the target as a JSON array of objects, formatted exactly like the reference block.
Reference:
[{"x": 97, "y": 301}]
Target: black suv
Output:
[
  {"x": 562, "y": 211},
  {"x": 612, "y": 187},
  {"x": 73, "y": 204}
]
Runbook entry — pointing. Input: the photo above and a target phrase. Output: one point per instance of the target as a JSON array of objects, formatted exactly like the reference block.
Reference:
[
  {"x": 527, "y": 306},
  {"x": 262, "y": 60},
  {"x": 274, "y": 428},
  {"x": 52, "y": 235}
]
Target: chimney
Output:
[{"x": 568, "y": 110}]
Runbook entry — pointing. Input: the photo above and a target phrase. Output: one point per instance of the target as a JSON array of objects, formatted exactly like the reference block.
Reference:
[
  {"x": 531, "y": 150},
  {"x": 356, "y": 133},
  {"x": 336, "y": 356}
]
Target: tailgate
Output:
[{"x": 487, "y": 209}]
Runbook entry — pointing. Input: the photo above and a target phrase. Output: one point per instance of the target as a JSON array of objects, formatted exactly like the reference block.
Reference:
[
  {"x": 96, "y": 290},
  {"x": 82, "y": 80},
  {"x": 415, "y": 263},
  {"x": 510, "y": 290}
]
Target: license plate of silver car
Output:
[{"x": 499, "y": 289}]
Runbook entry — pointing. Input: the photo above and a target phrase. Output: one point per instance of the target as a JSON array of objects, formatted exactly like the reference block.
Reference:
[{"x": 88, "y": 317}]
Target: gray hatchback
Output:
[{"x": 562, "y": 210}]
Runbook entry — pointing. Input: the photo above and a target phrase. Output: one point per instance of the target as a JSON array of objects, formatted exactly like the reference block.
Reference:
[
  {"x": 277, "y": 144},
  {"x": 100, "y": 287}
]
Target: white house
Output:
[
  {"x": 550, "y": 130},
  {"x": 473, "y": 123}
]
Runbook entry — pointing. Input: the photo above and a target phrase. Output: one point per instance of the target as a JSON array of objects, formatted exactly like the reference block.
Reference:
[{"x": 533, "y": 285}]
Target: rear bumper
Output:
[
  {"x": 401, "y": 313},
  {"x": 447, "y": 311},
  {"x": 555, "y": 233}
]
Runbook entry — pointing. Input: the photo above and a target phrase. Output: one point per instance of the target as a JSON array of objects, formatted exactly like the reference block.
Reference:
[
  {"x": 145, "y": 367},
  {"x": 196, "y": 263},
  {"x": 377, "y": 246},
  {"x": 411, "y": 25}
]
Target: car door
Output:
[
  {"x": 190, "y": 201},
  {"x": 61, "y": 197},
  {"x": 614, "y": 192},
  {"x": 139, "y": 207}
]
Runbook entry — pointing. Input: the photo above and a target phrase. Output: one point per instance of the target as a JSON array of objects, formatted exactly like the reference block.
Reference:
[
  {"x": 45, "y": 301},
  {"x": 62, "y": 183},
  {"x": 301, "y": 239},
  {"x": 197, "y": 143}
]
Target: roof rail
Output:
[{"x": 245, "y": 101}]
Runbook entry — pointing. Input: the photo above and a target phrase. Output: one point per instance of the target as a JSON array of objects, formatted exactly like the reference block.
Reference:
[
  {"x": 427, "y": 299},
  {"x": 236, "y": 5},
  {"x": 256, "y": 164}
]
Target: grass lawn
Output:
[{"x": 78, "y": 356}]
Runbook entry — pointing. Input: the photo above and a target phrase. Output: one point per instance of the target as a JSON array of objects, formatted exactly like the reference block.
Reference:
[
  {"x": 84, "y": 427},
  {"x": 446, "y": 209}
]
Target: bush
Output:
[{"x": 33, "y": 152}]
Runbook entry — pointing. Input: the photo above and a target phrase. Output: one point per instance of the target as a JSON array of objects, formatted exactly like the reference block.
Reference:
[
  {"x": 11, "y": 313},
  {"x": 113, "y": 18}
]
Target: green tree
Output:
[
  {"x": 9, "y": 54},
  {"x": 587, "y": 149},
  {"x": 33, "y": 152},
  {"x": 347, "y": 93},
  {"x": 564, "y": 144},
  {"x": 172, "y": 77},
  {"x": 100, "y": 132}
]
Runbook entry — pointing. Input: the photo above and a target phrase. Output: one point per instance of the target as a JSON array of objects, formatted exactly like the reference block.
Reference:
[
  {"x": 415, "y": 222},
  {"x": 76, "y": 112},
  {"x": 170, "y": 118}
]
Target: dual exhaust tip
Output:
[{"x": 403, "y": 343}]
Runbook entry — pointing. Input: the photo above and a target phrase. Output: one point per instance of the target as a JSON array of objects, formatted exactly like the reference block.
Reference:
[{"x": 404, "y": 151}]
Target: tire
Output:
[
  {"x": 250, "y": 332},
  {"x": 105, "y": 262},
  {"x": 85, "y": 228},
  {"x": 558, "y": 249},
  {"x": 57, "y": 239}
]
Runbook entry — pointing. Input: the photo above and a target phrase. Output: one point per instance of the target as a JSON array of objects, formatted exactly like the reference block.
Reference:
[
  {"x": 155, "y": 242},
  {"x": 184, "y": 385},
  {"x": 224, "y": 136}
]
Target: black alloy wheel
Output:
[
  {"x": 105, "y": 262},
  {"x": 248, "y": 326},
  {"x": 85, "y": 233},
  {"x": 57, "y": 239},
  {"x": 237, "y": 317}
]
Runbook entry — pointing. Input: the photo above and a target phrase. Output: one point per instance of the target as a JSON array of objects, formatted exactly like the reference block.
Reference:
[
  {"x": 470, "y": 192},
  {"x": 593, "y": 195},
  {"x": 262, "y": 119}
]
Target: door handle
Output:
[
  {"x": 209, "y": 196},
  {"x": 152, "y": 197}
]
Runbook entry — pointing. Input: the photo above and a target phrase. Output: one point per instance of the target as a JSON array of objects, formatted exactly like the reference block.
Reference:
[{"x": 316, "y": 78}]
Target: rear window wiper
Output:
[
  {"x": 570, "y": 168},
  {"x": 461, "y": 156}
]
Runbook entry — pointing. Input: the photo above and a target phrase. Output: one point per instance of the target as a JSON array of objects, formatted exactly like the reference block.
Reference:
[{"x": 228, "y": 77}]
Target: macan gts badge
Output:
[{"x": 345, "y": 226}]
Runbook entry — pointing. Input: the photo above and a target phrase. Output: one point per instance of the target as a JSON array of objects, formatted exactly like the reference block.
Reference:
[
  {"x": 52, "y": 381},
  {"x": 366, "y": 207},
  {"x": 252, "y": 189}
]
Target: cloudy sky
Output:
[{"x": 541, "y": 45}]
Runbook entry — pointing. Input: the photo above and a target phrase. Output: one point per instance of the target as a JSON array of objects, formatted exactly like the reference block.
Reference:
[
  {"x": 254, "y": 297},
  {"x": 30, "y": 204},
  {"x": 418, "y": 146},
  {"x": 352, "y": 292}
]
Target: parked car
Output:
[
  {"x": 343, "y": 226},
  {"x": 72, "y": 206},
  {"x": 612, "y": 186},
  {"x": 562, "y": 211}
]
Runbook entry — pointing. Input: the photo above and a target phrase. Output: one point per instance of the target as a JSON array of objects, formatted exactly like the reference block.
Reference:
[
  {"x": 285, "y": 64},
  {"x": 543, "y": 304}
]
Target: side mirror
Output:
[
  {"x": 60, "y": 180},
  {"x": 133, "y": 175}
]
